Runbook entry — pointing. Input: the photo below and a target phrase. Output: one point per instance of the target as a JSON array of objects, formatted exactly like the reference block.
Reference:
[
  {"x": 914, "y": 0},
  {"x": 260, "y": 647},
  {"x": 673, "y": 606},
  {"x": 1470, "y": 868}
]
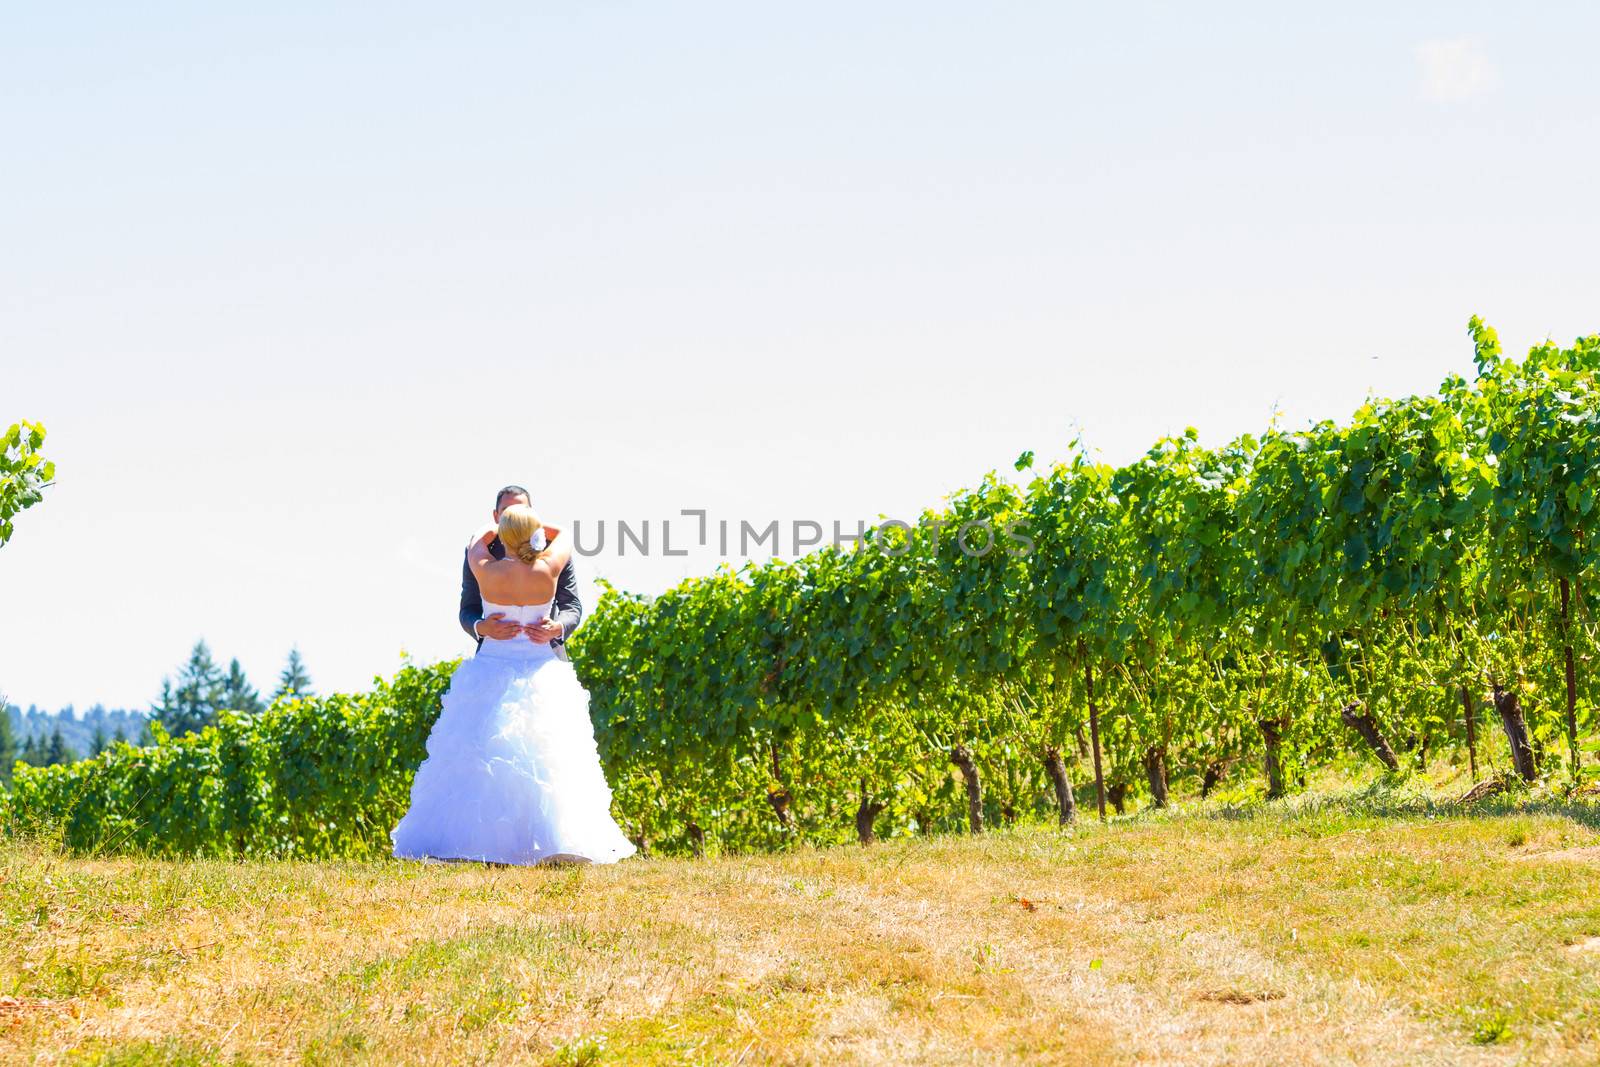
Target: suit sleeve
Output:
[
  {"x": 569, "y": 609},
  {"x": 471, "y": 599}
]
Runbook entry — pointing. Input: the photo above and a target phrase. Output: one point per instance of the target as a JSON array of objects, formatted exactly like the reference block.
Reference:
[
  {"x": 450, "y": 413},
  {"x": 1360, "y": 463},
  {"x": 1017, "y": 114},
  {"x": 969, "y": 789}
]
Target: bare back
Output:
[{"x": 512, "y": 582}]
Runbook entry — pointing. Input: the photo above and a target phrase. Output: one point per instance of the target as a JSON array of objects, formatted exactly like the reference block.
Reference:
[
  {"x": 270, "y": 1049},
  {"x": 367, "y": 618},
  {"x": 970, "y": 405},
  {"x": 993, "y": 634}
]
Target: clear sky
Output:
[{"x": 295, "y": 287}]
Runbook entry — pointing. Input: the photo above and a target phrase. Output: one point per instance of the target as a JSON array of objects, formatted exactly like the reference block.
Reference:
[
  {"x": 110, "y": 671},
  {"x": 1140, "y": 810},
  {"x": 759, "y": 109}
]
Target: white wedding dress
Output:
[{"x": 512, "y": 775}]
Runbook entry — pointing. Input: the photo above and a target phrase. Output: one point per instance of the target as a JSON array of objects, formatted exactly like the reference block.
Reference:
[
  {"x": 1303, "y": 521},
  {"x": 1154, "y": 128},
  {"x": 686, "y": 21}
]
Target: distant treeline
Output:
[
  {"x": 79, "y": 732},
  {"x": 189, "y": 702}
]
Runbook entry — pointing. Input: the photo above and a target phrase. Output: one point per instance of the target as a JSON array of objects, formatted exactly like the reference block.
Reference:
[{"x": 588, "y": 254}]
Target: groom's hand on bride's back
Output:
[
  {"x": 542, "y": 632},
  {"x": 497, "y": 626}
]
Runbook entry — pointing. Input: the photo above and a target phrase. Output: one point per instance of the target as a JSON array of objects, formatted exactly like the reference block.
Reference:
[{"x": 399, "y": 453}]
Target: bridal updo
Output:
[{"x": 522, "y": 533}]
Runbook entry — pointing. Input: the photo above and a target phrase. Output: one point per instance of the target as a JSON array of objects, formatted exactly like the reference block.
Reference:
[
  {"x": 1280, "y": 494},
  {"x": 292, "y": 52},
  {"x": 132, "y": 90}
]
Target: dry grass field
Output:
[{"x": 1373, "y": 927}]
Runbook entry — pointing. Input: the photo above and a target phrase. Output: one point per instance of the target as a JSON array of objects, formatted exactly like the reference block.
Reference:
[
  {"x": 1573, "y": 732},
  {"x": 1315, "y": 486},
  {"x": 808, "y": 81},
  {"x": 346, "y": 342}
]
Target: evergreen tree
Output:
[
  {"x": 237, "y": 692},
  {"x": 191, "y": 705},
  {"x": 33, "y": 752},
  {"x": 294, "y": 681},
  {"x": 8, "y": 741},
  {"x": 58, "y": 752},
  {"x": 99, "y": 743},
  {"x": 163, "y": 705},
  {"x": 119, "y": 737}
]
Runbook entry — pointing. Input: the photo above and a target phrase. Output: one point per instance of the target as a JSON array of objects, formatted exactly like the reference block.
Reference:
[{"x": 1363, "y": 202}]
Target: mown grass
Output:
[{"x": 1374, "y": 925}]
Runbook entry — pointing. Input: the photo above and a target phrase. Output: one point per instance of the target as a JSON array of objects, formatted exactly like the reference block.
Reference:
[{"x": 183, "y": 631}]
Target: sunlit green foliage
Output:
[
  {"x": 24, "y": 473},
  {"x": 1215, "y": 618}
]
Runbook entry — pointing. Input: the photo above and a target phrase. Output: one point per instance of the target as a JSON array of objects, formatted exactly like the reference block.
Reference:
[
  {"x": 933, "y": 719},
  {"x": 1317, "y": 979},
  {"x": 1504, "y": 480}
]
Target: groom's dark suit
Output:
[{"x": 568, "y": 610}]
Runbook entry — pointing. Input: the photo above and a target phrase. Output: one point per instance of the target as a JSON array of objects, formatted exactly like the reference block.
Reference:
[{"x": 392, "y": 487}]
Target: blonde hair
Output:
[{"x": 519, "y": 526}]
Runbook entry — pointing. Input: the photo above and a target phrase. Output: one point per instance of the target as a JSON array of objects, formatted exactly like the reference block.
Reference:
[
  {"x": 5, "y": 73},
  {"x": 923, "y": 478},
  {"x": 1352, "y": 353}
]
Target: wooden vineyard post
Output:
[
  {"x": 1472, "y": 731},
  {"x": 1094, "y": 741},
  {"x": 1572, "y": 677}
]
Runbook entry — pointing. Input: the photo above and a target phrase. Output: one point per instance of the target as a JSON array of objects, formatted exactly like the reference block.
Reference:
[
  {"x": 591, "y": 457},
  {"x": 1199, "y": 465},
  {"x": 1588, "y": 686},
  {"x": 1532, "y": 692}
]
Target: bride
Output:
[{"x": 512, "y": 775}]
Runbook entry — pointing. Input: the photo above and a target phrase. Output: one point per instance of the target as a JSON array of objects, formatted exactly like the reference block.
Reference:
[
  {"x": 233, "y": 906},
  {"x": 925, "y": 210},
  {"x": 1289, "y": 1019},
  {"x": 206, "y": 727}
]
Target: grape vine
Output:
[{"x": 1416, "y": 581}]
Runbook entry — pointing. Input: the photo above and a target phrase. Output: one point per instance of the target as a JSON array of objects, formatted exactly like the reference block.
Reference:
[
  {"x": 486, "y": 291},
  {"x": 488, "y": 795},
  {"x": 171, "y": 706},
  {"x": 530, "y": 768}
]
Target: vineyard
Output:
[{"x": 1412, "y": 584}]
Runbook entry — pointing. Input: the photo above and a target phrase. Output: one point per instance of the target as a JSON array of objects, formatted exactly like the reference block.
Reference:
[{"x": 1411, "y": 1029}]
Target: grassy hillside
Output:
[{"x": 1366, "y": 927}]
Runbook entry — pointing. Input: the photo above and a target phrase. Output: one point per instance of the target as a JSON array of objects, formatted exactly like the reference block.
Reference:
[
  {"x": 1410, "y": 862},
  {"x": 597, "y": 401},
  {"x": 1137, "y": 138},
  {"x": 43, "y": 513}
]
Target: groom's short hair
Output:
[{"x": 511, "y": 490}]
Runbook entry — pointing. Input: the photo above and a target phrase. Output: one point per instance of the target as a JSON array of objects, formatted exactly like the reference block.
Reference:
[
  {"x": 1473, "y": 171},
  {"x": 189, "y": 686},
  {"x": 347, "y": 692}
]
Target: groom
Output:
[{"x": 555, "y": 630}]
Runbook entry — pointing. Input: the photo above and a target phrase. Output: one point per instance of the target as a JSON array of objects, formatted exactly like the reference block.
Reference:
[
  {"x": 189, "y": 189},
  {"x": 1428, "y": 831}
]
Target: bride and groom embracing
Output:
[{"x": 512, "y": 774}]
